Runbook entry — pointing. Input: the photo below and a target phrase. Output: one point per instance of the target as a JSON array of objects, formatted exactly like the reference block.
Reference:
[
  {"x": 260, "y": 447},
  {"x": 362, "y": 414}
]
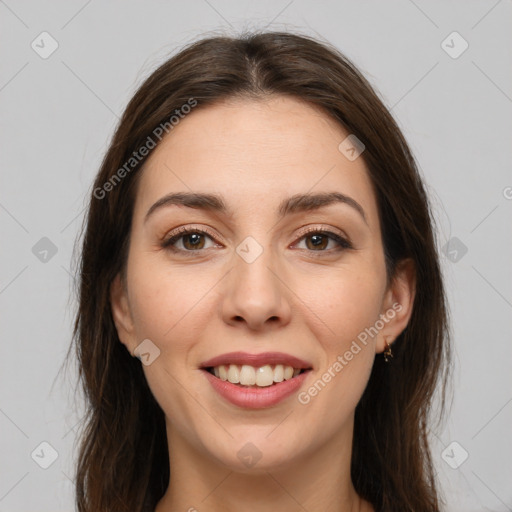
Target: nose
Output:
[{"x": 256, "y": 295}]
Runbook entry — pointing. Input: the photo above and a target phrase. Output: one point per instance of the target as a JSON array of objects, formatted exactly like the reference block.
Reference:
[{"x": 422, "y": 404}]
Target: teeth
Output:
[
  {"x": 288, "y": 372},
  {"x": 234, "y": 374},
  {"x": 247, "y": 375},
  {"x": 264, "y": 376},
  {"x": 278, "y": 373}
]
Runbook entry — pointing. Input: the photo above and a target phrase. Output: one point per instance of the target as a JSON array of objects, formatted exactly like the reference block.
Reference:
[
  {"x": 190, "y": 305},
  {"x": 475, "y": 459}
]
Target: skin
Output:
[{"x": 294, "y": 298}]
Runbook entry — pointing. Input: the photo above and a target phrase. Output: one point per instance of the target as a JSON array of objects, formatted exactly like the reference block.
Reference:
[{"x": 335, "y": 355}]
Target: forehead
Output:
[{"x": 255, "y": 152}]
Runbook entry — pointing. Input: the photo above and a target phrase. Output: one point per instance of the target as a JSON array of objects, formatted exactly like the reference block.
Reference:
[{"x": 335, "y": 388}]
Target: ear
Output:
[
  {"x": 398, "y": 304},
  {"x": 121, "y": 313}
]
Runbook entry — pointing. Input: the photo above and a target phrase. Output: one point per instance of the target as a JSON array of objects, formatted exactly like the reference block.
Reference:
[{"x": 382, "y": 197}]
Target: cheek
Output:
[
  {"x": 172, "y": 310},
  {"x": 168, "y": 305},
  {"x": 341, "y": 313},
  {"x": 341, "y": 305}
]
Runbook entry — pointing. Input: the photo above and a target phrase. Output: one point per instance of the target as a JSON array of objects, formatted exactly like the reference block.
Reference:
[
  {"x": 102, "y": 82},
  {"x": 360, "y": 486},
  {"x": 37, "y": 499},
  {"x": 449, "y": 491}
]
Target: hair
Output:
[{"x": 123, "y": 460}]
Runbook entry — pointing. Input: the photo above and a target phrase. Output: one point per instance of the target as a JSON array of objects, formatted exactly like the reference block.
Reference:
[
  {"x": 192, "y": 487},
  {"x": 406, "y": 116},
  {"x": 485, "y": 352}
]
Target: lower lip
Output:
[{"x": 254, "y": 397}]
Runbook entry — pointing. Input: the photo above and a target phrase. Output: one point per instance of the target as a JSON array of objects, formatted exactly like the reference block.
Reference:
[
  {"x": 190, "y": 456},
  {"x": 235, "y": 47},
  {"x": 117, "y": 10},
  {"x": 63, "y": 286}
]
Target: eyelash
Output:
[{"x": 181, "y": 232}]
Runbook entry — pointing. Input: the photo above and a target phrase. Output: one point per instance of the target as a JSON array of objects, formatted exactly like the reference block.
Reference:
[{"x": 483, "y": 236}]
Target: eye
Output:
[
  {"x": 190, "y": 239},
  {"x": 318, "y": 240}
]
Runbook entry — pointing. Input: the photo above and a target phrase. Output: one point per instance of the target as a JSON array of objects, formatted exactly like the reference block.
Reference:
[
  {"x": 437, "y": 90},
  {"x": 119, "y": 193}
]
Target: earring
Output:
[{"x": 388, "y": 353}]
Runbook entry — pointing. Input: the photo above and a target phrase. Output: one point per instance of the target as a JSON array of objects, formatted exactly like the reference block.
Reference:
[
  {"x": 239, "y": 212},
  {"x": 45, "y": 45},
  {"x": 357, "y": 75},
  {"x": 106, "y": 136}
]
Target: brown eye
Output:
[
  {"x": 193, "y": 241},
  {"x": 319, "y": 241},
  {"x": 187, "y": 240}
]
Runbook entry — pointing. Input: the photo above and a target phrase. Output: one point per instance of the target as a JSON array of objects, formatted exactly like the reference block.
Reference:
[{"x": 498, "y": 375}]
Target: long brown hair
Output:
[{"x": 123, "y": 457}]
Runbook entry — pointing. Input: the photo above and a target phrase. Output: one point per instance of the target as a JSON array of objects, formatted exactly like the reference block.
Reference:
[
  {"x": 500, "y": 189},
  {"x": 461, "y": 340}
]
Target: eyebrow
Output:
[{"x": 293, "y": 204}]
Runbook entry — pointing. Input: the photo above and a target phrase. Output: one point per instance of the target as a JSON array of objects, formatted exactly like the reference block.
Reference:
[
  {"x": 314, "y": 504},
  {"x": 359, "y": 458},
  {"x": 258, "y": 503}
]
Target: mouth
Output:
[
  {"x": 247, "y": 376},
  {"x": 256, "y": 381}
]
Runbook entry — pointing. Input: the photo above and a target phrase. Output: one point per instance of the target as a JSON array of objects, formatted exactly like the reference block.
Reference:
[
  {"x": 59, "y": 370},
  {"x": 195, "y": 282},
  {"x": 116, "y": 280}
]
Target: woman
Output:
[{"x": 262, "y": 320}]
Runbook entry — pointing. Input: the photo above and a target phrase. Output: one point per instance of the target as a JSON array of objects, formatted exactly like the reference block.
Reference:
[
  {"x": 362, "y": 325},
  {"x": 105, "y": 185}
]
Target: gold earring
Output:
[{"x": 388, "y": 353}]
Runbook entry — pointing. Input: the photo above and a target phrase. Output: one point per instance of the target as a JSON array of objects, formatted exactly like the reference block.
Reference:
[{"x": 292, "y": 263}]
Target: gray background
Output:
[{"x": 58, "y": 114}]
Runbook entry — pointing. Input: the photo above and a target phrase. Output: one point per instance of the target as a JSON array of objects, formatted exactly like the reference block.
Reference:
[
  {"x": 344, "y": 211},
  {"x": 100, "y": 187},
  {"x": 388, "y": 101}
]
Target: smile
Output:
[
  {"x": 262, "y": 376},
  {"x": 256, "y": 381}
]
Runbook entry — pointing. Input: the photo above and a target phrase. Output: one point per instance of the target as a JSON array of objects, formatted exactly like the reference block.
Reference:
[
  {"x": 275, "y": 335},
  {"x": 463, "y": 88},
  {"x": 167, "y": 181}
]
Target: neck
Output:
[{"x": 317, "y": 481}]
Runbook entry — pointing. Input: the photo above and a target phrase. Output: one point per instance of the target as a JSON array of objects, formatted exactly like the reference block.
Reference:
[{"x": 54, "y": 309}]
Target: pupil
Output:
[
  {"x": 317, "y": 240},
  {"x": 194, "y": 239}
]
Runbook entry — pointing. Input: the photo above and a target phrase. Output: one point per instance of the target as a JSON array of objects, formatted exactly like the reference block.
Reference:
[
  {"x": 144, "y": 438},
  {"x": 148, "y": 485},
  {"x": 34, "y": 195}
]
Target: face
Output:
[{"x": 257, "y": 276}]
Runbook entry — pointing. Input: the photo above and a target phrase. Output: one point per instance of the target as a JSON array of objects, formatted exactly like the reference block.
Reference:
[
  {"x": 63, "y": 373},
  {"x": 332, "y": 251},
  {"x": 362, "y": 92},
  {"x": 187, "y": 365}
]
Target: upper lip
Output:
[{"x": 256, "y": 360}]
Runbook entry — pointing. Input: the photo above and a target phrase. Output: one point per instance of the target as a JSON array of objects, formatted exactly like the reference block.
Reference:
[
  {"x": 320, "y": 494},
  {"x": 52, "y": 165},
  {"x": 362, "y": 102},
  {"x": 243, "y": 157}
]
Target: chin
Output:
[{"x": 255, "y": 451}]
